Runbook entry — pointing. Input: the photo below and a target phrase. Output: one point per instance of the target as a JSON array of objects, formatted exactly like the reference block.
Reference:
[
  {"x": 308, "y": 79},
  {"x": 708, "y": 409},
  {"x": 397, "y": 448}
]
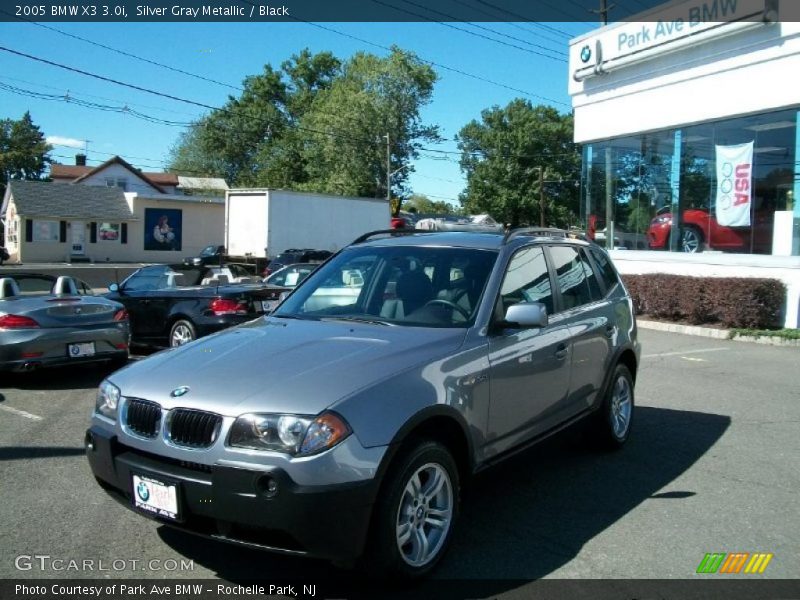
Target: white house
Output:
[{"x": 112, "y": 212}]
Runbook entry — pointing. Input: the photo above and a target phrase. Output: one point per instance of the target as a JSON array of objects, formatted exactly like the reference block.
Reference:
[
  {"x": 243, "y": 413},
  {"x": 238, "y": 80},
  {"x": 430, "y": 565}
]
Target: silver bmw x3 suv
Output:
[{"x": 345, "y": 424}]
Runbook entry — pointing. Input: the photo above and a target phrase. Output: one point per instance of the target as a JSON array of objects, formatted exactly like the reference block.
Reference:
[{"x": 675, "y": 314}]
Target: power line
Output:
[
  {"x": 125, "y": 156},
  {"x": 69, "y": 92},
  {"x": 178, "y": 98},
  {"x": 130, "y": 55},
  {"x": 123, "y": 53},
  {"x": 435, "y": 64},
  {"x": 436, "y": 196},
  {"x": 519, "y": 17},
  {"x": 518, "y": 26},
  {"x": 467, "y": 31},
  {"x": 93, "y": 105}
]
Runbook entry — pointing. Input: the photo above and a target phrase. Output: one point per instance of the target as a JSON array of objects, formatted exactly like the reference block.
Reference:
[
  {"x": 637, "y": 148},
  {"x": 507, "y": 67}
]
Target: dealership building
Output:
[{"x": 689, "y": 120}]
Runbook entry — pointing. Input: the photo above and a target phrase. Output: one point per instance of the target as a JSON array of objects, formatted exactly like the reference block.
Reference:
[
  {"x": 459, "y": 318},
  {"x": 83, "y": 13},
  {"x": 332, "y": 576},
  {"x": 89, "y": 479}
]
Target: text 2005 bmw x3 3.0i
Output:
[{"x": 344, "y": 424}]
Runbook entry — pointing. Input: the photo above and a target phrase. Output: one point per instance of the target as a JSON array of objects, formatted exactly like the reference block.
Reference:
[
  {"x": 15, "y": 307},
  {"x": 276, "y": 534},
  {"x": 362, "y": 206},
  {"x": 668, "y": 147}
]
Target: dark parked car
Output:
[
  {"x": 210, "y": 255},
  {"x": 47, "y": 321},
  {"x": 294, "y": 255},
  {"x": 346, "y": 423},
  {"x": 175, "y": 304}
]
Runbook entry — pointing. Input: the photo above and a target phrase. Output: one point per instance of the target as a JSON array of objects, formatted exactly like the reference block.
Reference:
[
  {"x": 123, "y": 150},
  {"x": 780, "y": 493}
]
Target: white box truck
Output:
[{"x": 262, "y": 223}]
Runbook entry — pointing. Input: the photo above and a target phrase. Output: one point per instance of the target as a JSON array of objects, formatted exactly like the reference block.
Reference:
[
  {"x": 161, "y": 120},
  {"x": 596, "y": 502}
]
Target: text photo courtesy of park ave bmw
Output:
[{"x": 381, "y": 298}]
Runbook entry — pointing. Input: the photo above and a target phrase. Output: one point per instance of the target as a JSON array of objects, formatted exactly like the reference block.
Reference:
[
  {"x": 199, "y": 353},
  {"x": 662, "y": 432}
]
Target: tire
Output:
[
  {"x": 612, "y": 423},
  {"x": 415, "y": 515},
  {"x": 182, "y": 332},
  {"x": 691, "y": 240}
]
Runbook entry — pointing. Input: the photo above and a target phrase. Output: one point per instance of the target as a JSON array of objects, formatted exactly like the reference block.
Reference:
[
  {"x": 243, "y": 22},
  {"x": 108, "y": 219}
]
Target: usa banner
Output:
[{"x": 734, "y": 184}]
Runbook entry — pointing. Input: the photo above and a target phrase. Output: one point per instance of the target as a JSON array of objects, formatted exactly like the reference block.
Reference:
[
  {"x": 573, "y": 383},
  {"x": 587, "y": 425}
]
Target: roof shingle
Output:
[{"x": 70, "y": 201}]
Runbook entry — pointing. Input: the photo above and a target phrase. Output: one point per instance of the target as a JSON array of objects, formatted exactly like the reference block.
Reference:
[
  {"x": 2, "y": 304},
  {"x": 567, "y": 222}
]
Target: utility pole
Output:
[
  {"x": 388, "y": 170},
  {"x": 541, "y": 197},
  {"x": 603, "y": 12}
]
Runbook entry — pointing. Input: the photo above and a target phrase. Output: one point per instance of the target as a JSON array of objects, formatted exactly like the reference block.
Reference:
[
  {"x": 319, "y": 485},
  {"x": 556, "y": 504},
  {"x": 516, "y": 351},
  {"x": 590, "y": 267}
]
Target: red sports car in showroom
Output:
[{"x": 700, "y": 230}]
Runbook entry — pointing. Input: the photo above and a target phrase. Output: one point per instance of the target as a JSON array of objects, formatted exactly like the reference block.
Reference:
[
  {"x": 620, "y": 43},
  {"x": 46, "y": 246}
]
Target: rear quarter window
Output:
[{"x": 606, "y": 271}]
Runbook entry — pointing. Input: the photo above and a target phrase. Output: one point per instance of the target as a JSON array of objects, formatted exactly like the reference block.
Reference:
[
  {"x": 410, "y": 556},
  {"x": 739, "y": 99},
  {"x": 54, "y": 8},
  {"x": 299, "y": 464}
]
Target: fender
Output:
[{"x": 418, "y": 420}]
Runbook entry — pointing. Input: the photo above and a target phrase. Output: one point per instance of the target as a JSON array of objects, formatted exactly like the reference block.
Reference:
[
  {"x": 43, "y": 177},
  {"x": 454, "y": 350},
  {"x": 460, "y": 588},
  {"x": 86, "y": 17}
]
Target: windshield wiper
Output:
[
  {"x": 370, "y": 320},
  {"x": 297, "y": 317}
]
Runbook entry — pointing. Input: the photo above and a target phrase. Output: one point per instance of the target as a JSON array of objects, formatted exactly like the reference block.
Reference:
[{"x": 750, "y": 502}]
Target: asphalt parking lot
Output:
[{"x": 713, "y": 465}]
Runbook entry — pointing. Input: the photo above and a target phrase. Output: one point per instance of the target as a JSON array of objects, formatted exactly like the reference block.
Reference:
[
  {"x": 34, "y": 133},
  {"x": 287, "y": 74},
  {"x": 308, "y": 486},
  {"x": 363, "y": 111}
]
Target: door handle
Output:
[{"x": 561, "y": 351}]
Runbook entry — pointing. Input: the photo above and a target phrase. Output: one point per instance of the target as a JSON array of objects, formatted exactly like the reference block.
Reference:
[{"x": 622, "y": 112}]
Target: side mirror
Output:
[
  {"x": 526, "y": 315},
  {"x": 113, "y": 288}
]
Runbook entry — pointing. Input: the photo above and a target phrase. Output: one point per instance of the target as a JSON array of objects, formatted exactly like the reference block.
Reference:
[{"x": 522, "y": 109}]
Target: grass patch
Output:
[{"x": 786, "y": 334}]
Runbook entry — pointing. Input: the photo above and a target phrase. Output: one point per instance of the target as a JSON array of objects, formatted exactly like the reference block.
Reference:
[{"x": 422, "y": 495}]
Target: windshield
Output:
[
  {"x": 405, "y": 285},
  {"x": 208, "y": 251},
  {"x": 161, "y": 277},
  {"x": 290, "y": 276}
]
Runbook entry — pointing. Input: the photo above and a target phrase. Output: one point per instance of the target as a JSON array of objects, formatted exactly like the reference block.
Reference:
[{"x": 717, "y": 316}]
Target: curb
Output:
[
  {"x": 709, "y": 332},
  {"x": 719, "y": 334}
]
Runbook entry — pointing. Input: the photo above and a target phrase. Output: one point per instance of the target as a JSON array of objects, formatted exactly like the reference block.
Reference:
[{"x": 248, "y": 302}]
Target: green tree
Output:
[
  {"x": 23, "y": 150},
  {"x": 318, "y": 124},
  {"x": 502, "y": 156},
  {"x": 420, "y": 203}
]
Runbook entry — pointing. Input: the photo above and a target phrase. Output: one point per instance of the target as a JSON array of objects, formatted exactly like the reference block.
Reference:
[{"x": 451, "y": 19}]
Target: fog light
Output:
[
  {"x": 89, "y": 441},
  {"x": 268, "y": 486}
]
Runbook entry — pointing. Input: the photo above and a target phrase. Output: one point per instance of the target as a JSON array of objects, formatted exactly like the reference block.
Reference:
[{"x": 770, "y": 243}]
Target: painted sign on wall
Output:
[{"x": 163, "y": 228}]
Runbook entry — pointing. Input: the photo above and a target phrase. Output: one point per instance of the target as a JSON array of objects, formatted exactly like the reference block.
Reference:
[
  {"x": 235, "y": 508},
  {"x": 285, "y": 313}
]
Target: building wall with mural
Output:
[{"x": 171, "y": 227}]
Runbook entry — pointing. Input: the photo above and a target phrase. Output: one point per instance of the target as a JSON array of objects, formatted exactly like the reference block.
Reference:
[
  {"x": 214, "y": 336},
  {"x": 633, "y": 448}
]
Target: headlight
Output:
[
  {"x": 107, "y": 400},
  {"x": 293, "y": 434},
  {"x": 662, "y": 219}
]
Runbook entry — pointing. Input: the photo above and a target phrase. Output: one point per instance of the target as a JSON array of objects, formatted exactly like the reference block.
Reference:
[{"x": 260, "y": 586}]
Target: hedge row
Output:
[{"x": 728, "y": 301}]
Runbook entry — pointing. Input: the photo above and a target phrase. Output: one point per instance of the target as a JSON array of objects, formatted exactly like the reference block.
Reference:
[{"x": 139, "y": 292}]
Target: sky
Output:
[{"x": 528, "y": 57}]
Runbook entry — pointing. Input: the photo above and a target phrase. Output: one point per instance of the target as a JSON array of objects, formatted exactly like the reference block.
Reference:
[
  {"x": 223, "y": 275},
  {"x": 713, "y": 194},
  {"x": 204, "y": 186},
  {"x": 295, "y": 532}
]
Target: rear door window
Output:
[{"x": 527, "y": 279}]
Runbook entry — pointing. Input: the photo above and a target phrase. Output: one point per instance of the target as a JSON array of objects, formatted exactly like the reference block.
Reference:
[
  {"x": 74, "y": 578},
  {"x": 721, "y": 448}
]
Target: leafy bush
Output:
[{"x": 728, "y": 301}]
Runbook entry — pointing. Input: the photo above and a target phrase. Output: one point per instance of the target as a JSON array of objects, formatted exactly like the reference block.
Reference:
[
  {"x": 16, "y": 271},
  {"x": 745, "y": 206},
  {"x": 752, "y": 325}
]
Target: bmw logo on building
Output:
[
  {"x": 178, "y": 392},
  {"x": 586, "y": 54}
]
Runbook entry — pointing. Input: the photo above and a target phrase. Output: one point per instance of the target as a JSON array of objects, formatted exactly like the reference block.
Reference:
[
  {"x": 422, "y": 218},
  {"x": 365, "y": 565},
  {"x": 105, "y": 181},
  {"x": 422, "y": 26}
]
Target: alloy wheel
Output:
[
  {"x": 690, "y": 240},
  {"x": 425, "y": 515},
  {"x": 181, "y": 335},
  {"x": 621, "y": 407}
]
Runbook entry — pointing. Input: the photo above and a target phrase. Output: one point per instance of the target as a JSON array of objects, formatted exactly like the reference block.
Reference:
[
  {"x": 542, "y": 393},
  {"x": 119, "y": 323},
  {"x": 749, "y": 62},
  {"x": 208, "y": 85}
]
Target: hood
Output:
[{"x": 283, "y": 366}]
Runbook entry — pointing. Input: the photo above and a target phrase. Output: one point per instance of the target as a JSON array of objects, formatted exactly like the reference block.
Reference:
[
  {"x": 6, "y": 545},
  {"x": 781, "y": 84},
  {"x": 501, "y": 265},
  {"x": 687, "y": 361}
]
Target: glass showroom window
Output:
[
  {"x": 626, "y": 182},
  {"x": 723, "y": 186}
]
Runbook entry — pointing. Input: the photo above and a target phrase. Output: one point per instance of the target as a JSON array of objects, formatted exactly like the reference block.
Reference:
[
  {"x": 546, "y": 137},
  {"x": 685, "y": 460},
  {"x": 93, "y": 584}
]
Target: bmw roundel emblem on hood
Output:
[{"x": 178, "y": 392}]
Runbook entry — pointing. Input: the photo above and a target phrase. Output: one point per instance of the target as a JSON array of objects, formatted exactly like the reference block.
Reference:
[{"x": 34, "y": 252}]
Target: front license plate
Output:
[
  {"x": 268, "y": 305},
  {"x": 82, "y": 349},
  {"x": 156, "y": 497}
]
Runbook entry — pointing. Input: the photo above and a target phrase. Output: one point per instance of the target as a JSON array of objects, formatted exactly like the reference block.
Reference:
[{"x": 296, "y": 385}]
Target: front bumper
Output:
[
  {"x": 658, "y": 235},
  {"x": 232, "y": 503}
]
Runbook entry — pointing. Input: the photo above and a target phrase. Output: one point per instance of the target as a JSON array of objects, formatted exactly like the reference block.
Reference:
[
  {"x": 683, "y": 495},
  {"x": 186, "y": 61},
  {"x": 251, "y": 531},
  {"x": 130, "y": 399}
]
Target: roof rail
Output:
[
  {"x": 393, "y": 232},
  {"x": 534, "y": 232}
]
